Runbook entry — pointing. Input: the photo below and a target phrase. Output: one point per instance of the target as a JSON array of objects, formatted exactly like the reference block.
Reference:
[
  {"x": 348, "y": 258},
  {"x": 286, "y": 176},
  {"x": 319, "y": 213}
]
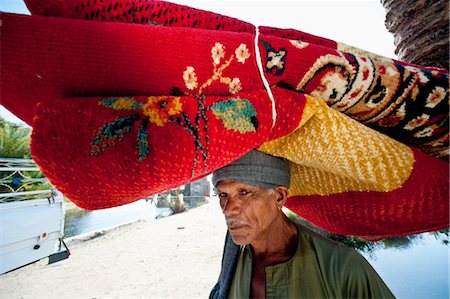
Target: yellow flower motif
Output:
[
  {"x": 217, "y": 52},
  {"x": 417, "y": 122},
  {"x": 242, "y": 53},
  {"x": 123, "y": 103},
  {"x": 427, "y": 132},
  {"x": 190, "y": 78},
  {"x": 276, "y": 59},
  {"x": 234, "y": 86},
  {"x": 160, "y": 109},
  {"x": 435, "y": 97},
  {"x": 437, "y": 143}
]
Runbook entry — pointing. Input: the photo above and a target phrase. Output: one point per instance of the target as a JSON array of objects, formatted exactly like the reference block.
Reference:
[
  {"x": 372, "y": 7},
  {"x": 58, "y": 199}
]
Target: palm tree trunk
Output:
[{"x": 421, "y": 30}]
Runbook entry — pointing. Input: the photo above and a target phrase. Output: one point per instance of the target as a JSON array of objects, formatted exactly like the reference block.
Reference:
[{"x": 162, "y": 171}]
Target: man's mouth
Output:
[
  {"x": 234, "y": 224},
  {"x": 235, "y": 227}
]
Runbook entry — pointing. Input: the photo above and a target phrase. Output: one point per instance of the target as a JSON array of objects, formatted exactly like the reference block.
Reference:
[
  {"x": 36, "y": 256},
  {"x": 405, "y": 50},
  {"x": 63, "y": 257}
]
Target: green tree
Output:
[
  {"x": 14, "y": 140},
  {"x": 443, "y": 236},
  {"x": 15, "y": 144},
  {"x": 401, "y": 242}
]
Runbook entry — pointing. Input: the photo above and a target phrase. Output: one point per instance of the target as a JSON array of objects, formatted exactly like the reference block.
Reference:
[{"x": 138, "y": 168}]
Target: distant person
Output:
[{"x": 266, "y": 255}]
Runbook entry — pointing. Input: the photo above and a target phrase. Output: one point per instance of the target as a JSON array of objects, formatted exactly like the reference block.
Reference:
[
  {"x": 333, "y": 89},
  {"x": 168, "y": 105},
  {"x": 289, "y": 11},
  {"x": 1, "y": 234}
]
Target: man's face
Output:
[{"x": 249, "y": 210}]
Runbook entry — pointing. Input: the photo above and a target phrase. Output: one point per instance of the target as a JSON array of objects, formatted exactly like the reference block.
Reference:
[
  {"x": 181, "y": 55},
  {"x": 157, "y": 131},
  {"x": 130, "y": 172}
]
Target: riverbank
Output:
[{"x": 173, "y": 257}]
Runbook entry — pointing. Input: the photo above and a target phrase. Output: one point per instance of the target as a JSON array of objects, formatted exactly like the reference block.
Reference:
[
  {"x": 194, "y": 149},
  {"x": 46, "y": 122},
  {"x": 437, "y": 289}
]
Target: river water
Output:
[
  {"x": 78, "y": 221},
  {"x": 419, "y": 270}
]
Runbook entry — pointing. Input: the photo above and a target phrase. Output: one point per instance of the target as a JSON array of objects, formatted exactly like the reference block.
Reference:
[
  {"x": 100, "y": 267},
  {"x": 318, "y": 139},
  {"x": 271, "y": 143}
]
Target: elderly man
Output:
[{"x": 266, "y": 255}]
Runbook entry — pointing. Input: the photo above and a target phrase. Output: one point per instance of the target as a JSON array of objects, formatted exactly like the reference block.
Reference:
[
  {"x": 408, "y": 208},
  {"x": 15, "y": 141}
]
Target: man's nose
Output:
[{"x": 231, "y": 207}]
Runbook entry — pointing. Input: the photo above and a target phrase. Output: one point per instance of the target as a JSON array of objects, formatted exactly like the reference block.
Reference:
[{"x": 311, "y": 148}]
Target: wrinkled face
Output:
[{"x": 249, "y": 210}]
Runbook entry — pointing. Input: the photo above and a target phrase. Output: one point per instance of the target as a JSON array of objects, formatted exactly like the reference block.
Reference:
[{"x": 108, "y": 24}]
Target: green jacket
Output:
[{"x": 320, "y": 268}]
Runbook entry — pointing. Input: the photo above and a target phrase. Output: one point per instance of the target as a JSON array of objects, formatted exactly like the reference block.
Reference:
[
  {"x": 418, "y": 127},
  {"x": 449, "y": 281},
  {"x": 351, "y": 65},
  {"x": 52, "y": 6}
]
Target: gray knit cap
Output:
[{"x": 255, "y": 168}]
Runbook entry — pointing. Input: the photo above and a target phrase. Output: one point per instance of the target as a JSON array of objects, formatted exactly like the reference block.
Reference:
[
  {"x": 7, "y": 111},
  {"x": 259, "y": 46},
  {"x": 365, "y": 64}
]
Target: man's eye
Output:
[
  {"x": 222, "y": 195},
  {"x": 244, "y": 192}
]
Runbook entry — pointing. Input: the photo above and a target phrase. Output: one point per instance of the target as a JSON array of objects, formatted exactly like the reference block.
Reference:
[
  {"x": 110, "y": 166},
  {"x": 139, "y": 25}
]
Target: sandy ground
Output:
[{"x": 174, "y": 257}]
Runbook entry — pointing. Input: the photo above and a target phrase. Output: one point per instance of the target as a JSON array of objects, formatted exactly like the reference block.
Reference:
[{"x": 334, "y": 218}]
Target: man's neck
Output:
[{"x": 278, "y": 244}]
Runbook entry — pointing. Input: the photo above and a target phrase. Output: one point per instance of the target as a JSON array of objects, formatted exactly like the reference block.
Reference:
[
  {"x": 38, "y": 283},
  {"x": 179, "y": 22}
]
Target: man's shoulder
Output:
[
  {"x": 317, "y": 235},
  {"x": 320, "y": 244},
  {"x": 346, "y": 271},
  {"x": 332, "y": 254}
]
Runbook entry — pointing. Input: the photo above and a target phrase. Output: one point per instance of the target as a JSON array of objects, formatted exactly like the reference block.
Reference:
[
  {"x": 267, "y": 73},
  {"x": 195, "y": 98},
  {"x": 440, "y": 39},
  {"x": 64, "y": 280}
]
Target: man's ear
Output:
[{"x": 282, "y": 195}]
